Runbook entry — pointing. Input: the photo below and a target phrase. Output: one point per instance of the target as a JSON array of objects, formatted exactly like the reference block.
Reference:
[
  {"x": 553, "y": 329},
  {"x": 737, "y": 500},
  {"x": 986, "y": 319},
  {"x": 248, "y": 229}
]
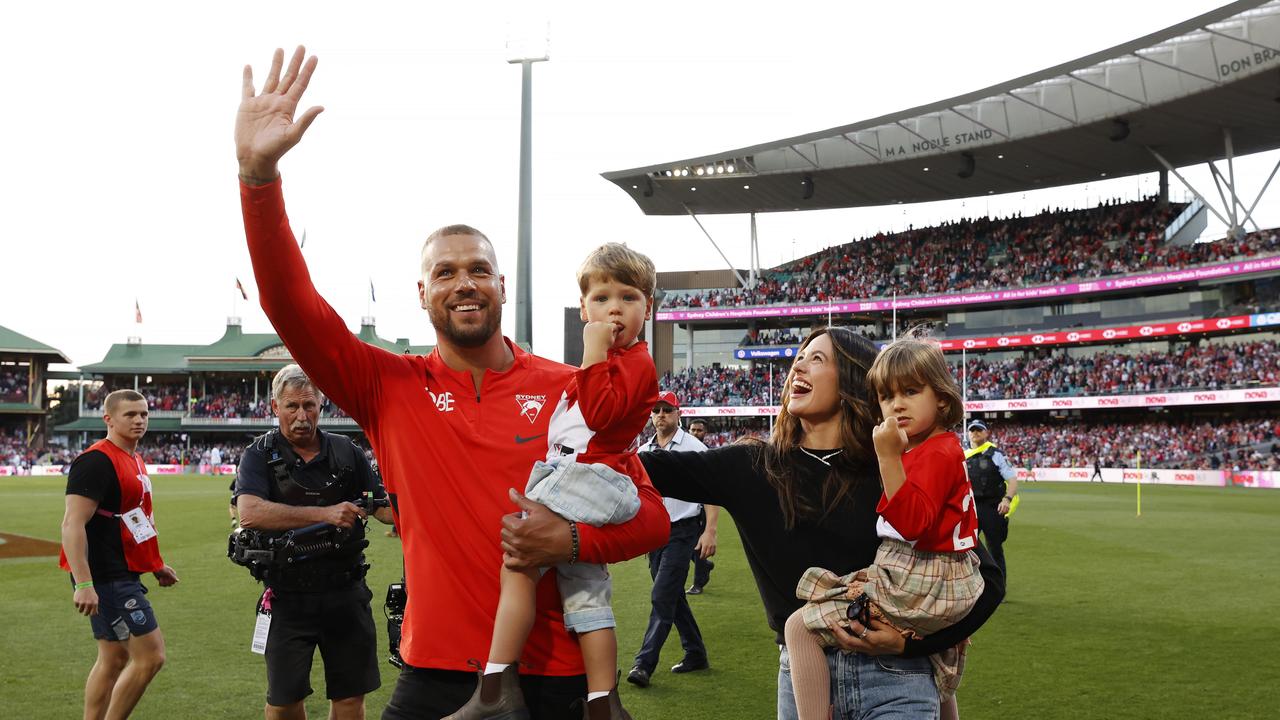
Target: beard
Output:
[{"x": 467, "y": 336}]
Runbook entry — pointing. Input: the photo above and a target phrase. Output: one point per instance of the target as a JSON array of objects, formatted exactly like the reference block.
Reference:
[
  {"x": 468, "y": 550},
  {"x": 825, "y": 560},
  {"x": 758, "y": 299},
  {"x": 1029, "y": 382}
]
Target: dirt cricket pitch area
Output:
[{"x": 16, "y": 546}]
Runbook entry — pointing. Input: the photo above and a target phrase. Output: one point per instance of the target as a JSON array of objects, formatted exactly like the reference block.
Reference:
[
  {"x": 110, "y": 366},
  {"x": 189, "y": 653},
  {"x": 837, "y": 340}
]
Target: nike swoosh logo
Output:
[{"x": 523, "y": 440}]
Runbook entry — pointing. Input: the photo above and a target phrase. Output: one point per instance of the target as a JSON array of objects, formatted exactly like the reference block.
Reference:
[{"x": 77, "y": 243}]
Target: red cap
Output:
[{"x": 669, "y": 398}]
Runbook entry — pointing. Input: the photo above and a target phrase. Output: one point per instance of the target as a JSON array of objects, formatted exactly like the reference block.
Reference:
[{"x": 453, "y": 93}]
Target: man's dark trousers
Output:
[
  {"x": 669, "y": 567},
  {"x": 995, "y": 530}
]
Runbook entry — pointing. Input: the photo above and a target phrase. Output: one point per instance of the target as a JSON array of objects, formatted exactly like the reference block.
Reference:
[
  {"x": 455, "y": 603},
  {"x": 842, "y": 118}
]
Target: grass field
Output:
[{"x": 1171, "y": 615}]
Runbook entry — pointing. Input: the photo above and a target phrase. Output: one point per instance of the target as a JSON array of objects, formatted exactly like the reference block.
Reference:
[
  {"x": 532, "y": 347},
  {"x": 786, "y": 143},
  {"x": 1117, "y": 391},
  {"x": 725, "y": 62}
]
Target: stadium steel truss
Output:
[{"x": 1203, "y": 90}]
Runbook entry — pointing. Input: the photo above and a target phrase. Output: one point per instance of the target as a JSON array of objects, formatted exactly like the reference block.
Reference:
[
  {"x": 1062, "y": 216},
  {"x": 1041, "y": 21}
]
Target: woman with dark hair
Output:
[{"x": 807, "y": 497}]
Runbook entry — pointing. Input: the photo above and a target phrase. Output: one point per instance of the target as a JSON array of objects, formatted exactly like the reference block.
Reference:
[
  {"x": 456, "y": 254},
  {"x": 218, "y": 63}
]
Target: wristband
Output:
[
  {"x": 573, "y": 533},
  {"x": 1009, "y": 498},
  {"x": 83, "y": 585}
]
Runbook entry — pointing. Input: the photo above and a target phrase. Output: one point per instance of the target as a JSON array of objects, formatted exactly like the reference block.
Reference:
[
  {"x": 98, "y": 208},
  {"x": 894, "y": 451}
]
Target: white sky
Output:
[{"x": 119, "y": 176}]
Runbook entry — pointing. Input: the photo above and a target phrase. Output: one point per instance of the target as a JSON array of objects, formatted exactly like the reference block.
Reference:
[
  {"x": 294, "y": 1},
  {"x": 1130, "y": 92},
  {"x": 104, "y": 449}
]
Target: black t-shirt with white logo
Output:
[{"x": 94, "y": 476}]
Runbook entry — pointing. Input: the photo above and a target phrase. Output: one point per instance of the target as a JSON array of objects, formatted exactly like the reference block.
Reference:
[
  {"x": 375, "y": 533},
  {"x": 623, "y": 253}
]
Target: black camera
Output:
[{"x": 393, "y": 608}]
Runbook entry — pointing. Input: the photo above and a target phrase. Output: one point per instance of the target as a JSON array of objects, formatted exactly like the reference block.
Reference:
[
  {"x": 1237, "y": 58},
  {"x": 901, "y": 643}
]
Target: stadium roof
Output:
[
  {"x": 235, "y": 351},
  {"x": 1201, "y": 90},
  {"x": 13, "y": 342}
]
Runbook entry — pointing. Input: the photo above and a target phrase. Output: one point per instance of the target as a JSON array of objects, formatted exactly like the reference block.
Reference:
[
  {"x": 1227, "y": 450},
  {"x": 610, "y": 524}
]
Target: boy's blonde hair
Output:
[
  {"x": 615, "y": 261},
  {"x": 916, "y": 361}
]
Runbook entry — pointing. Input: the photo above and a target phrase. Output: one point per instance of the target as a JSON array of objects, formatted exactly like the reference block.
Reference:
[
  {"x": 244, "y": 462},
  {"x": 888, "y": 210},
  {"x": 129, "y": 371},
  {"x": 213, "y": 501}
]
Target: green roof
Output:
[
  {"x": 235, "y": 351},
  {"x": 14, "y": 342},
  {"x": 20, "y": 408}
]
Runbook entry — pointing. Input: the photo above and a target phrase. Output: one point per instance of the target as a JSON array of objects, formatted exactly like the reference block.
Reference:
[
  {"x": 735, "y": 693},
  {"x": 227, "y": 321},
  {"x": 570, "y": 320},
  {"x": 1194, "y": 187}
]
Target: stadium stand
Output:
[
  {"x": 1113, "y": 239},
  {"x": 13, "y": 383},
  {"x": 1099, "y": 370}
]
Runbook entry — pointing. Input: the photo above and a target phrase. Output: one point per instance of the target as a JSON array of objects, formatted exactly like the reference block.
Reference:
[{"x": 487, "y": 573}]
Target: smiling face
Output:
[
  {"x": 917, "y": 408},
  {"x": 814, "y": 382},
  {"x": 608, "y": 300},
  {"x": 461, "y": 289}
]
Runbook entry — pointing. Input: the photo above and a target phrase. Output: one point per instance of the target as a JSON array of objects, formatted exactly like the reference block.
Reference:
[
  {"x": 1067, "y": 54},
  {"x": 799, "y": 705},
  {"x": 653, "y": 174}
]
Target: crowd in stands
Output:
[
  {"x": 221, "y": 400},
  {"x": 231, "y": 400},
  {"x": 163, "y": 397},
  {"x": 794, "y": 336},
  {"x": 774, "y": 336},
  {"x": 1207, "y": 366},
  {"x": 717, "y": 385},
  {"x": 13, "y": 383},
  {"x": 1194, "y": 445},
  {"x": 1188, "y": 445},
  {"x": 973, "y": 255},
  {"x": 172, "y": 450}
]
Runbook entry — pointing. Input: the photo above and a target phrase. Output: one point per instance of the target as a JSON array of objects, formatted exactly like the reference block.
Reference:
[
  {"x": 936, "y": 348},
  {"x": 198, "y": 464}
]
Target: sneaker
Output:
[
  {"x": 507, "y": 705},
  {"x": 694, "y": 590},
  {"x": 688, "y": 665},
  {"x": 638, "y": 677}
]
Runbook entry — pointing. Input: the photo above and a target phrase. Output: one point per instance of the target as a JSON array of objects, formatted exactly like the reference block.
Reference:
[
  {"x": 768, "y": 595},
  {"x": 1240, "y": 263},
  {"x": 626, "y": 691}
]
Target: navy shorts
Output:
[{"x": 123, "y": 611}]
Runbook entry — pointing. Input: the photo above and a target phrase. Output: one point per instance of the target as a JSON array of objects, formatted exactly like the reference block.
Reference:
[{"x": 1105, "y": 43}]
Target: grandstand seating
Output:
[
  {"x": 1112, "y": 239},
  {"x": 13, "y": 383},
  {"x": 1106, "y": 371},
  {"x": 1184, "y": 444}
]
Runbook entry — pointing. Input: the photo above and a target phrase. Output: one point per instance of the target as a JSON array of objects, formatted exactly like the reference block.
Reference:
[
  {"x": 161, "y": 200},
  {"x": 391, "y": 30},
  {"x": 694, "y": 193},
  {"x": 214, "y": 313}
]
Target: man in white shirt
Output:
[{"x": 669, "y": 565}]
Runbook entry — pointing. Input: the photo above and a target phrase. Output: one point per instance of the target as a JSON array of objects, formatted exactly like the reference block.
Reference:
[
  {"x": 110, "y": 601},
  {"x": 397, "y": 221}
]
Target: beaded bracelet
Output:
[
  {"x": 83, "y": 585},
  {"x": 573, "y": 533}
]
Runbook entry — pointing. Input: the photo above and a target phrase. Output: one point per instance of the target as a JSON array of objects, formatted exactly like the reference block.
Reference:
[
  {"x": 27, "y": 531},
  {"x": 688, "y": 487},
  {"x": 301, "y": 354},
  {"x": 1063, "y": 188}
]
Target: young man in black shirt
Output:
[{"x": 108, "y": 541}]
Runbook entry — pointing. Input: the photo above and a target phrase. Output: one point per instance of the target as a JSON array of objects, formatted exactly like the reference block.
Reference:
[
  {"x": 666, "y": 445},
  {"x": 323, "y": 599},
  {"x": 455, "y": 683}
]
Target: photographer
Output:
[{"x": 298, "y": 477}]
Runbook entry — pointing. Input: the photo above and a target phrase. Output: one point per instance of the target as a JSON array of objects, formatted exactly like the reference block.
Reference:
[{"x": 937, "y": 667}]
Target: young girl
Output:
[
  {"x": 589, "y": 476},
  {"x": 925, "y": 575}
]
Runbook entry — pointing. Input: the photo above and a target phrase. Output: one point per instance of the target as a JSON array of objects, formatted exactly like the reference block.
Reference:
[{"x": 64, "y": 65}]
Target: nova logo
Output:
[
  {"x": 1146, "y": 330},
  {"x": 1017, "y": 404},
  {"x": 1206, "y": 397},
  {"x": 1072, "y": 337},
  {"x": 1184, "y": 477},
  {"x": 1002, "y": 341},
  {"x": 1255, "y": 394},
  {"x": 1155, "y": 399},
  {"x": 1224, "y": 323},
  {"x": 1109, "y": 401},
  {"x": 1062, "y": 403},
  {"x": 1108, "y": 333},
  {"x": 1078, "y": 474},
  {"x": 1037, "y": 339},
  {"x": 726, "y": 411},
  {"x": 1184, "y": 327}
]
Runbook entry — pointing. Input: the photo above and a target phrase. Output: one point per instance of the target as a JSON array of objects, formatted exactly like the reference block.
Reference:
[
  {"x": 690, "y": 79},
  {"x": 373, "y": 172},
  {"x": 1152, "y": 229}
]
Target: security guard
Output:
[
  {"x": 995, "y": 484},
  {"x": 297, "y": 477}
]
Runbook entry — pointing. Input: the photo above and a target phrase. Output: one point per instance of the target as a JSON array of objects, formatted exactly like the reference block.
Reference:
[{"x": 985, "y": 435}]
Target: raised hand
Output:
[
  {"x": 265, "y": 124},
  {"x": 889, "y": 438}
]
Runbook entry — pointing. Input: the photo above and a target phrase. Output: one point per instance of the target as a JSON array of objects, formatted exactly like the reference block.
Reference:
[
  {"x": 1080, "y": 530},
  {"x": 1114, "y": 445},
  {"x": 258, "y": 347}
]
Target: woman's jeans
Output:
[{"x": 887, "y": 687}]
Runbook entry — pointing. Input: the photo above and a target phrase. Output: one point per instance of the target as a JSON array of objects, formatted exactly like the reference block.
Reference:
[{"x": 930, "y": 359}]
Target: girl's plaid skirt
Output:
[{"x": 915, "y": 591}]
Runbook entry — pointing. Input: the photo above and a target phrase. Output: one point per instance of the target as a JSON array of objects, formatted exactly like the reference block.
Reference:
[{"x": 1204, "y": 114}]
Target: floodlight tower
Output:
[{"x": 526, "y": 49}]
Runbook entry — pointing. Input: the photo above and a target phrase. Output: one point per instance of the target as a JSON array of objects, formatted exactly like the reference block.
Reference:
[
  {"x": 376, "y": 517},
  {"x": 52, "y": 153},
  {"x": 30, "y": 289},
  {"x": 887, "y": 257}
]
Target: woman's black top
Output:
[{"x": 733, "y": 477}]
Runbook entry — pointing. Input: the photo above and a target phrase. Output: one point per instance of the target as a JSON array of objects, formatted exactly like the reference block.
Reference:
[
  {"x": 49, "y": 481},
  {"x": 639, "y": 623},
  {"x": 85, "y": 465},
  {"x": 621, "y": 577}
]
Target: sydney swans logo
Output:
[{"x": 530, "y": 406}]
